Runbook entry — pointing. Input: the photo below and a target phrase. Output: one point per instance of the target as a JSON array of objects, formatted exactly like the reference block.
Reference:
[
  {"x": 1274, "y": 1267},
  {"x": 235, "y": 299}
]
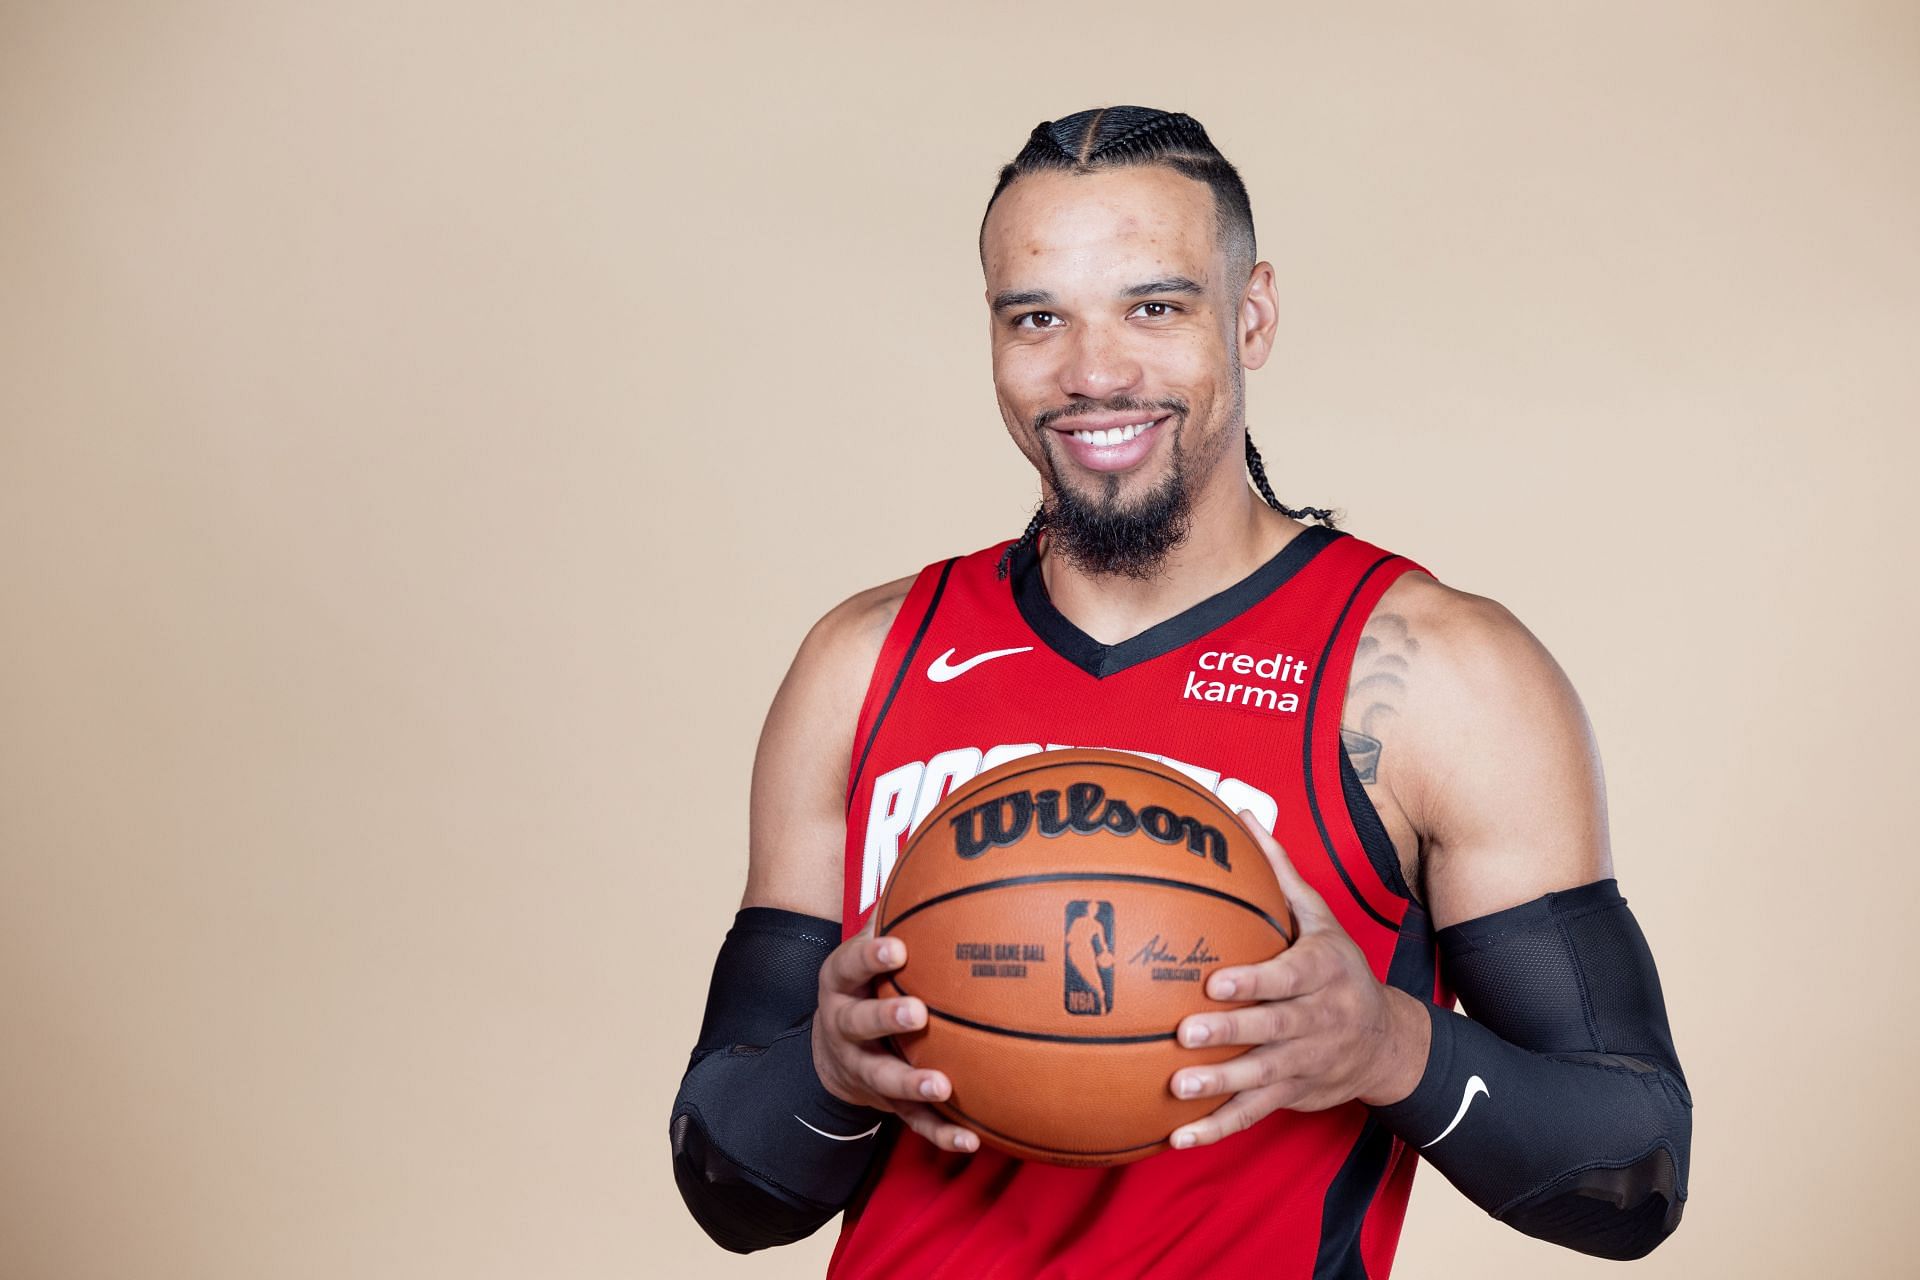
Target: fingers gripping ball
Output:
[{"x": 1062, "y": 914}]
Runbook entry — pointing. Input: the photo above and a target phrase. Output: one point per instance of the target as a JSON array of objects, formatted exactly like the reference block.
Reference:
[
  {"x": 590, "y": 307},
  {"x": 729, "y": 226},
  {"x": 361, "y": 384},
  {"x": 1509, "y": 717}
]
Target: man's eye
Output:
[
  {"x": 1042, "y": 320},
  {"x": 1166, "y": 309}
]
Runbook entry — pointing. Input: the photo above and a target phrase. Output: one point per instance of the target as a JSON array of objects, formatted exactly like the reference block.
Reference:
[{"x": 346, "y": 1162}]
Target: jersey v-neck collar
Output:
[{"x": 1183, "y": 628}]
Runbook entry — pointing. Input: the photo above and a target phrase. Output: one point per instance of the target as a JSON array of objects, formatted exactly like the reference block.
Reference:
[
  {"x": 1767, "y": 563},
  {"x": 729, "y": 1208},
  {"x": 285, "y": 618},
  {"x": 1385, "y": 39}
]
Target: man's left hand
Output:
[{"x": 1326, "y": 1031}]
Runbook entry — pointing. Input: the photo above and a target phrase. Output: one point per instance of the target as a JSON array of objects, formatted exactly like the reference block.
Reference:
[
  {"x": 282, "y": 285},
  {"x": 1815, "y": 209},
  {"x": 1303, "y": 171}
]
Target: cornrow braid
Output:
[
  {"x": 1034, "y": 526},
  {"x": 1119, "y": 137},
  {"x": 1258, "y": 469},
  {"x": 1171, "y": 127}
]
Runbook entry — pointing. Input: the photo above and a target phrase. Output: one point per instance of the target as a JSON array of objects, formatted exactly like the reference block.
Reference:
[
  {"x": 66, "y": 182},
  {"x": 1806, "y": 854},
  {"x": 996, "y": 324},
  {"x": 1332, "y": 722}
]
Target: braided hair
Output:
[
  {"x": 1034, "y": 526},
  {"x": 1258, "y": 469},
  {"x": 1255, "y": 467},
  {"x": 1118, "y": 137}
]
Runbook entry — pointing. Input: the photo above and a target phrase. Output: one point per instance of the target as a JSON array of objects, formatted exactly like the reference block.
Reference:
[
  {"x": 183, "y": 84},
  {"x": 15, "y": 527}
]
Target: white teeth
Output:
[{"x": 1113, "y": 435}]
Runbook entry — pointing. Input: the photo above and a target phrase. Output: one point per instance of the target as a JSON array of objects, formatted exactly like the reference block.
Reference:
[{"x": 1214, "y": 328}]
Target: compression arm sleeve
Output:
[
  {"x": 1559, "y": 1106},
  {"x": 762, "y": 1153}
]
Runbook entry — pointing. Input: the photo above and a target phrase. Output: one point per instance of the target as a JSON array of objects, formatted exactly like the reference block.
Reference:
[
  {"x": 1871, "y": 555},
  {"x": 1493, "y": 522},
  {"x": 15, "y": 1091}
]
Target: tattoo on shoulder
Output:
[{"x": 1376, "y": 690}]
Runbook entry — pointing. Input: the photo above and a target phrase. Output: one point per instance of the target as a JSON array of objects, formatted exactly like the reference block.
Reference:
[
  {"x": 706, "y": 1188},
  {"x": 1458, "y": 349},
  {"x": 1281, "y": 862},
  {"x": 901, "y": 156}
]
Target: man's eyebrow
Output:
[
  {"x": 1171, "y": 284},
  {"x": 1041, "y": 298},
  {"x": 1021, "y": 298}
]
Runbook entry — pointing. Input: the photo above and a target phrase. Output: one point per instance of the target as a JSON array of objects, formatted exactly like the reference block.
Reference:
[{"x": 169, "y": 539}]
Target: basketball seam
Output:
[
  {"x": 1031, "y": 1146},
  {"x": 1059, "y": 877},
  {"x": 1048, "y": 1037}
]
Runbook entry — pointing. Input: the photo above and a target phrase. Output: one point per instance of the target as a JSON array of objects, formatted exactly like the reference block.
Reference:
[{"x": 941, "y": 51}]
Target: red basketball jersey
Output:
[{"x": 1243, "y": 693}]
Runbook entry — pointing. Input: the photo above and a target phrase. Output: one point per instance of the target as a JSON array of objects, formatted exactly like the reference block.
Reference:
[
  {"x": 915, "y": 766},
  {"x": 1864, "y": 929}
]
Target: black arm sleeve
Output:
[
  {"x": 1559, "y": 1106},
  {"x": 762, "y": 1153}
]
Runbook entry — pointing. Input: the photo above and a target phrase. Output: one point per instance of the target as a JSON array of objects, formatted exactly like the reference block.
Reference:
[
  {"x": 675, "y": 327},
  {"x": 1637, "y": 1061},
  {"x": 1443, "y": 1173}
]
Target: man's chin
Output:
[
  {"x": 1118, "y": 495},
  {"x": 1126, "y": 539}
]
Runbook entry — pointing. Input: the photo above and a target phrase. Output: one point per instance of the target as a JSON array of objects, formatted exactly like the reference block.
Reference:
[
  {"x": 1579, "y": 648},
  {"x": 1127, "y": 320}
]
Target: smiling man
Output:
[{"x": 1415, "y": 764}]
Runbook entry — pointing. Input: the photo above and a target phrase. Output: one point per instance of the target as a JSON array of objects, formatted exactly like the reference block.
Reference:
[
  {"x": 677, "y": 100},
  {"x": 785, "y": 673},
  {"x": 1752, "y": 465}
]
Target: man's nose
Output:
[{"x": 1098, "y": 362}]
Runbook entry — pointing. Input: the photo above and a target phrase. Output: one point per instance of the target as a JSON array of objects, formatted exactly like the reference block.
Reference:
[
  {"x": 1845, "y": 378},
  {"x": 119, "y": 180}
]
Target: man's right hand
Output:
[{"x": 850, "y": 1028}]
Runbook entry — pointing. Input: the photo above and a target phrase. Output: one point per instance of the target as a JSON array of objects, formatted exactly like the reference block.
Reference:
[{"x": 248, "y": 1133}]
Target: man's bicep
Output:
[
  {"x": 1511, "y": 802},
  {"x": 797, "y": 819}
]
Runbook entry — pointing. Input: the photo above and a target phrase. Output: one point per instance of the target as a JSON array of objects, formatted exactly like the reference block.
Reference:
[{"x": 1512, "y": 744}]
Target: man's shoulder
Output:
[
  {"x": 1472, "y": 684},
  {"x": 1489, "y": 752},
  {"x": 1468, "y": 644},
  {"x": 862, "y": 620},
  {"x": 1457, "y": 625},
  {"x": 853, "y": 631}
]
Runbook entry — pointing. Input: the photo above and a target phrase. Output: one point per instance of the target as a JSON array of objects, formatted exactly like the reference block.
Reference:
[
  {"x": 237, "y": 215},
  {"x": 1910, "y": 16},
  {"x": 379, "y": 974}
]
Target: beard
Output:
[{"x": 1103, "y": 536}]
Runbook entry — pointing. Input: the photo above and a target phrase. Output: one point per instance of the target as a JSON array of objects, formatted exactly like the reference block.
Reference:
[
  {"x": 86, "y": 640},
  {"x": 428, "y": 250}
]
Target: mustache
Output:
[{"x": 1047, "y": 417}]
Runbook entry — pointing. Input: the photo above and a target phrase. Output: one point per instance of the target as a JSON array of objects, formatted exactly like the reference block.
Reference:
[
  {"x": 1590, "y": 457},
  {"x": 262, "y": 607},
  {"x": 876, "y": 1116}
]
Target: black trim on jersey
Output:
[
  {"x": 1344, "y": 1210},
  {"x": 1373, "y": 832},
  {"x": 1071, "y": 877},
  {"x": 1102, "y": 660},
  {"x": 1413, "y": 969},
  {"x": 899, "y": 677},
  {"x": 1308, "y": 739}
]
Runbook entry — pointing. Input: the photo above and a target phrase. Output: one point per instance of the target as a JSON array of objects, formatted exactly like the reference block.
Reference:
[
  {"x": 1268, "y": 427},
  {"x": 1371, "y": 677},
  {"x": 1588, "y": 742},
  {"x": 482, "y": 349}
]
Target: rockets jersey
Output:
[{"x": 1243, "y": 693}]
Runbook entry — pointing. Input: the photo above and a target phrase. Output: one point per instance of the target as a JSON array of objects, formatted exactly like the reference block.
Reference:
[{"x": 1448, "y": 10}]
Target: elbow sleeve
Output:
[
  {"x": 1559, "y": 1107},
  {"x": 762, "y": 1154}
]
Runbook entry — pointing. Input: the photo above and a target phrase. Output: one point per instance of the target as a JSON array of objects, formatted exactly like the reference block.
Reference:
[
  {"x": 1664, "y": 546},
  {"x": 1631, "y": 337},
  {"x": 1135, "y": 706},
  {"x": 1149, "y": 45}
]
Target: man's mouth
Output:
[
  {"x": 1110, "y": 442},
  {"x": 1113, "y": 435}
]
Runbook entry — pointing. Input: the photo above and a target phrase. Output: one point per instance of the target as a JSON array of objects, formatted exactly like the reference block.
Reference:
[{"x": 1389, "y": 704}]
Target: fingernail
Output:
[
  {"x": 1189, "y": 1085},
  {"x": 1182, "y": 1140},
  {"x": 929, "y": 1088},
  {"x": 967, "y": 1142},
  {"x": 1221, "y": 988},
  {"x": 1198, "y": 1033},
  {"x": 903, "y": 1015},
  {"x": 889, "y": 953}
]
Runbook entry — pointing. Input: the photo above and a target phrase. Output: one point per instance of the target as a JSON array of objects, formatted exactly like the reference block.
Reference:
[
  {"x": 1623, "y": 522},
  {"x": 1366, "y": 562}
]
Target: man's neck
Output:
[{"x": 1228, "y": 539}]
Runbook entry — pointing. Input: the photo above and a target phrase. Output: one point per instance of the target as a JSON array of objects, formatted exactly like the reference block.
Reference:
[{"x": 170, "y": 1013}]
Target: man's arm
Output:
[
  {"x": 776, "y": 1120},
  {"x": 1589, "y": 1141},
  {"x": 1583, "y": 1132}
]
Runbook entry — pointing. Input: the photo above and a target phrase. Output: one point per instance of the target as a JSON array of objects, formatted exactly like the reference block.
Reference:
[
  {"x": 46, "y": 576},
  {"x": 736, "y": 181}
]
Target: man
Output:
[{"x": 1442, "y": 827}]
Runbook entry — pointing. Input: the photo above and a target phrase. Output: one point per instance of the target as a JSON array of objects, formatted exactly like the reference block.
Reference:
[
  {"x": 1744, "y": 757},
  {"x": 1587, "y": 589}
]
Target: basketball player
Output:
[{"x": 1416, "y": 766}]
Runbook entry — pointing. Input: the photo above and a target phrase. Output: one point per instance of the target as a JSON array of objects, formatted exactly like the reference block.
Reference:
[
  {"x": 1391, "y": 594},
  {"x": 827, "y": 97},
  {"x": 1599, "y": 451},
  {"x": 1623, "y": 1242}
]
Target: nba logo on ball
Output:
[{"x": 1089, "y": 957}]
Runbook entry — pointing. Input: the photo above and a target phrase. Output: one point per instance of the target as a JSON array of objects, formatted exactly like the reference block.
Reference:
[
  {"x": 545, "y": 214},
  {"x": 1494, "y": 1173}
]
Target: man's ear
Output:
[{"x": 1259, "y": 318}]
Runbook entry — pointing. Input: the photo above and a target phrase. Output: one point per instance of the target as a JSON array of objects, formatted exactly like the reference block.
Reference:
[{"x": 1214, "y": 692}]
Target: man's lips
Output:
[{"x": 1109, "y": 441}]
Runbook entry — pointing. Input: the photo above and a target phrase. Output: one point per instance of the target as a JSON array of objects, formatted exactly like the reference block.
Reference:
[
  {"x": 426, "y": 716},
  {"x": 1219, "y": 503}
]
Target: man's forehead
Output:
[{"x": 1141, "y": 218}]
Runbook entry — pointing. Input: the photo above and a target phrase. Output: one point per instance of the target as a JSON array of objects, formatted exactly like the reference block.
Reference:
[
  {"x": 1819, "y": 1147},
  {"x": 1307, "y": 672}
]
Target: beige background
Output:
[{"x": 426, "y": 430}]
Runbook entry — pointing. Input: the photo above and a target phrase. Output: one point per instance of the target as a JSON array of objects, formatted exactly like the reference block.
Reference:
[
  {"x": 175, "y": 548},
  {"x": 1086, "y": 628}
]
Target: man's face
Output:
[{"x": 1115, "y": 352}]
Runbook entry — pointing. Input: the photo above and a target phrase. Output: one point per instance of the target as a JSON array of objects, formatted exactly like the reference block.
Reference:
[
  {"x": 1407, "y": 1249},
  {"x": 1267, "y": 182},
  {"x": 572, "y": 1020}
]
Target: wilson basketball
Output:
[{"x": 1062, "y": 913}]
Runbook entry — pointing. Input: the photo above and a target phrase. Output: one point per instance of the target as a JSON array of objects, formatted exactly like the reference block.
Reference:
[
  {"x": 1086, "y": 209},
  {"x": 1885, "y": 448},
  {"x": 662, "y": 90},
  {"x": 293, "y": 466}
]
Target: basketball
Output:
[{"x": 1062, "y": 913}]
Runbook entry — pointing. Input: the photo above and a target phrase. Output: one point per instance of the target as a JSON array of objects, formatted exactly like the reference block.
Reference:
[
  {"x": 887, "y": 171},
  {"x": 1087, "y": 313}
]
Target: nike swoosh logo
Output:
[
  {"x": 842, "y": 1137},
  {"x": 940, "y": 671},
  {"x": 1475, "y": 1087}
]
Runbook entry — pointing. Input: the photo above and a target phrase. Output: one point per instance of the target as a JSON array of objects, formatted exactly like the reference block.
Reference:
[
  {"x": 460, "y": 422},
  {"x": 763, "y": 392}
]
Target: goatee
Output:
[{"x": 1105, "y": 537}]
